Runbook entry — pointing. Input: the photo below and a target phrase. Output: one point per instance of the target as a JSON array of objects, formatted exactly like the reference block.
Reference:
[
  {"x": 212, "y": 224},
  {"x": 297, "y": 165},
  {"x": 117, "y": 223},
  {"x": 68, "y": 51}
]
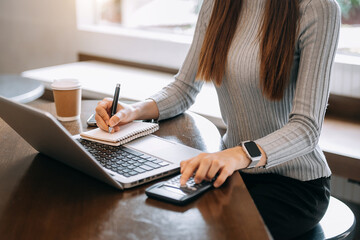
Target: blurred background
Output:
[{"x": 38, "y": 33}]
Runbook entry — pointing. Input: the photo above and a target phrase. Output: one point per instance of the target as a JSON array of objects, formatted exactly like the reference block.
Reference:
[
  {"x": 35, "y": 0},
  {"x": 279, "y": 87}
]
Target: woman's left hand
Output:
[{"x": 207, "y": 165}]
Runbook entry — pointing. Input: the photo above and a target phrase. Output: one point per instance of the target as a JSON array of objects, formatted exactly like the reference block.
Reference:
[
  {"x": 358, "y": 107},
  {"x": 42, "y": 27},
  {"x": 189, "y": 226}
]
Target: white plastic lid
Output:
[{"x": 65, "y": 84}]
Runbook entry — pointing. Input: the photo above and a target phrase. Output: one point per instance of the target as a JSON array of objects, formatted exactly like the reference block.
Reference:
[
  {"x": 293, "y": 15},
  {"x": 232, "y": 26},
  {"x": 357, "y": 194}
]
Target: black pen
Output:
[{"x": 115, "y": 103}]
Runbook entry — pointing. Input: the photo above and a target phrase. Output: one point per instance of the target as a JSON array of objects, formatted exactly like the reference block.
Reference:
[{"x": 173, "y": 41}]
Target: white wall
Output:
[{"x": 36, "y": 33}]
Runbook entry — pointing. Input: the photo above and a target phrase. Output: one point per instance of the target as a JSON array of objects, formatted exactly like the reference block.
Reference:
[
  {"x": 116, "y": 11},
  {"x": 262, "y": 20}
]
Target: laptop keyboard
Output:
[{"x": 122, "y": 160}]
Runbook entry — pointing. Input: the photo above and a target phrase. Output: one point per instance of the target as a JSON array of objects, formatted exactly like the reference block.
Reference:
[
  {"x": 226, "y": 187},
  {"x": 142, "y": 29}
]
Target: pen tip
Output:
[{"x": 110, "y": 129}]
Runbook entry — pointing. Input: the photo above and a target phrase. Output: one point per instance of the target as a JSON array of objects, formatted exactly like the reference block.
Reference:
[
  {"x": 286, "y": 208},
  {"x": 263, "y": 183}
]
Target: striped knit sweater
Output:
[{"x": 287, "y": 130}]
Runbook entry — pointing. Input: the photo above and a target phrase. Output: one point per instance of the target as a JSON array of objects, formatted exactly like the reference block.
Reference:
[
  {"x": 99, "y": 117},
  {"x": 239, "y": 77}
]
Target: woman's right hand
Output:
[{"x": 125, "y": 113}]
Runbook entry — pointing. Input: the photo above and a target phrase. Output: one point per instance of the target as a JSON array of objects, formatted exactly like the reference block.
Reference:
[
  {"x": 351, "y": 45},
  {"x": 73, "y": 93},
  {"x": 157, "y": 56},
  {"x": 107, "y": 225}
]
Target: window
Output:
[
  {"x": 159, "y": 32},
  {"x": 154, "y": 32},
  {"x": 161, "y": 27},
  {"x": 350, "y": 30},
  {"x": 177, "y": 16}
]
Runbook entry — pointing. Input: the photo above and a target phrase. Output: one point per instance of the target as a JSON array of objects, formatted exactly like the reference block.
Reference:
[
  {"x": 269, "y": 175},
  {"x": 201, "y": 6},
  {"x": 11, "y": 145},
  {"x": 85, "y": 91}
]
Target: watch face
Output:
[{"x": 252, "y": 149}]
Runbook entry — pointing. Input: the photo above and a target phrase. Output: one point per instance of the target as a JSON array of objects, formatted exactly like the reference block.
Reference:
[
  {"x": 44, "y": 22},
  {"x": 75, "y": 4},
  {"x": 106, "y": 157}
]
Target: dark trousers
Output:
[{"x": 289, "y": 207}]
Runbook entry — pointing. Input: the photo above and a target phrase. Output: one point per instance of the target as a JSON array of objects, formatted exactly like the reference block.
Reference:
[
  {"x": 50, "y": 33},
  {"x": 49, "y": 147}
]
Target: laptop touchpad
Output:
[{"x": 164, "y": 149}]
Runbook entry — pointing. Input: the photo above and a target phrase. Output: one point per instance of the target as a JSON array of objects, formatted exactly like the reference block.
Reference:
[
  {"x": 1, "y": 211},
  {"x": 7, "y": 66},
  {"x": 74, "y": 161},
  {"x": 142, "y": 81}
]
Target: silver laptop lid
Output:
[{"x": 44, "y": 133}]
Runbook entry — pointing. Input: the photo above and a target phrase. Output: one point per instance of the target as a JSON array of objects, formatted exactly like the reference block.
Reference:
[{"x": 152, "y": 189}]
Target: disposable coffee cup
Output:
[{"x": 67, "y": 96}]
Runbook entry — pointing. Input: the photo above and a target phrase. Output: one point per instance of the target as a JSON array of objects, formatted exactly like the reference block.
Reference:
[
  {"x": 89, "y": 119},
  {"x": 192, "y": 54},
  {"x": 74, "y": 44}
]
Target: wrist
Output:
[
  {"x": 145, "y": 110},
  {"x": 243, "y": 160},
  {"x": 137, "y": 110},
  {"x": 263, "y": 159}
]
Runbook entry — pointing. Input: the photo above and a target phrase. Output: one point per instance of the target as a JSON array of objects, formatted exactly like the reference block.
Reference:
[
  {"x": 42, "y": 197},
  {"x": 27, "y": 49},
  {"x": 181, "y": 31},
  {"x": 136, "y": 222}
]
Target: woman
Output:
[{"x": 270, "y": 61}]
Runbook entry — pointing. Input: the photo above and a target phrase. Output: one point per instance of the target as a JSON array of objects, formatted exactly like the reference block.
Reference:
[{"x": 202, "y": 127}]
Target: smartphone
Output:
[
  {"x": 171, "y": 191},
  {"x": 91, "y": 122}
]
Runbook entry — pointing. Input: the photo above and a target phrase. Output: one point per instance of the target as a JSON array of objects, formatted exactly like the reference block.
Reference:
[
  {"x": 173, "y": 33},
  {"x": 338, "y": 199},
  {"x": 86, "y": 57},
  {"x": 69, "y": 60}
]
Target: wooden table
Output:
[{"x": 43, "y": 199}]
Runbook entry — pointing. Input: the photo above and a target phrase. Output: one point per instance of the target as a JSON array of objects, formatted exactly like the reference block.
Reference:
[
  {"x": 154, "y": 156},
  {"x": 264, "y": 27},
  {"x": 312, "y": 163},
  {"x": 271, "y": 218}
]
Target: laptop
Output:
[{"x": 137, "y": 162}]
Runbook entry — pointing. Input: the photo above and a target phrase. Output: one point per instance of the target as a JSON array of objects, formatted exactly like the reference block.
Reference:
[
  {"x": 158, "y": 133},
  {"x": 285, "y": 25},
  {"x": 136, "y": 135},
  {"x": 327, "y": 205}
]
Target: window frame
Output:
[{"x": 145, "y": 47}]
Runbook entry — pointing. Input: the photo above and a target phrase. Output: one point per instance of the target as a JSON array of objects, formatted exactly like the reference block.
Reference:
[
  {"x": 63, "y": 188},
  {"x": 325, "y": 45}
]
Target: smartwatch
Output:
[{"x": 252, "y": 151}]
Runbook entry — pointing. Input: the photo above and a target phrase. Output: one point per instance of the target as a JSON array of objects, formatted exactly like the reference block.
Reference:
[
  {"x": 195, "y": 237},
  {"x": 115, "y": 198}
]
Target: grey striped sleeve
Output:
[
  {"x": 179, "y": 95},
  {"x": 319, "y": 31}
]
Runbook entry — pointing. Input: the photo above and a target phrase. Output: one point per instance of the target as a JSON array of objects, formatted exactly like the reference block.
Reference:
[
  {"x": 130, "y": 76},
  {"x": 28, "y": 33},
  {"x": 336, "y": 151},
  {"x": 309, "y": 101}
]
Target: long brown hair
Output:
[{"x": 277, "y": 43}]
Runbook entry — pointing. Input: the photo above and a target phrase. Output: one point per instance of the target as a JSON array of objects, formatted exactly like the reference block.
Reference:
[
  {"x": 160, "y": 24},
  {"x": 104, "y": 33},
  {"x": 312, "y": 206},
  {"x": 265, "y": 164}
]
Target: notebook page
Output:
[{"x": 127, "y": 132}]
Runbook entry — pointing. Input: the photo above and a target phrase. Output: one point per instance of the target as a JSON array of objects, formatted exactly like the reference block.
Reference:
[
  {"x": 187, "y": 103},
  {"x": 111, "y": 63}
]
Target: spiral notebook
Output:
[{"x": 127, "y": 133}]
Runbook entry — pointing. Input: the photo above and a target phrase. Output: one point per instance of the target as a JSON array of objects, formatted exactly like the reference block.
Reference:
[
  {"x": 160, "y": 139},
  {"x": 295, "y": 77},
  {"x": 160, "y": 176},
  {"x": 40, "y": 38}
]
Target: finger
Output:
[
  {"x": 102, "y": 111},
  {"x": 114, "y": 120},
  {"x": 106, "y": 103},
  {"x": 183, "y": 165},
  {"x": 101, "y": 123},
  {"x": 214, "y": 169},
  {"x": 205, "y": 164},
  {"x": 224, "y": 174},
  {"x": 207, "y": 179},
  {"x": 189, "y": 171},
  {"x": 103, "y": 105},
  {"x": 111, "y": 130},
  {"x": 108, "y": 99}
]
